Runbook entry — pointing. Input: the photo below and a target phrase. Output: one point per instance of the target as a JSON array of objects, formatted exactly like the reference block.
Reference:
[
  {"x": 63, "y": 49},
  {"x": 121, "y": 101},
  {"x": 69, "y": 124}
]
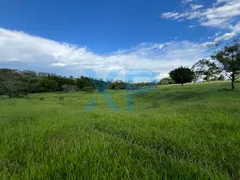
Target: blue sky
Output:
[{"x": 67, "y": 37}]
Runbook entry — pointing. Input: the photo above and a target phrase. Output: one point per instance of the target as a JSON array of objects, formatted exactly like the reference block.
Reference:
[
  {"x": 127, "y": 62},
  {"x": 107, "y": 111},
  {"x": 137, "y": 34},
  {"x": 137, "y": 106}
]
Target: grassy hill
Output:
[{"x": 174, "y": 132}]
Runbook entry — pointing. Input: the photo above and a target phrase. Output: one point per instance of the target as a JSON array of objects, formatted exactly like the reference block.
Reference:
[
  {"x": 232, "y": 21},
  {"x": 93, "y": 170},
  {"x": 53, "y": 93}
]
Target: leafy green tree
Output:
[
  {"x": 13, "y": 83},
  {"x": 118, "y": 85},
  {"x": 100, "y": 85},
  {"x": 229, "y": 57},
  {"x": 84, "y": 82},
  {"x": 182, "y": 75},
  {"x": 48, "y": 85},
  {"x": 15, "y": 88}
]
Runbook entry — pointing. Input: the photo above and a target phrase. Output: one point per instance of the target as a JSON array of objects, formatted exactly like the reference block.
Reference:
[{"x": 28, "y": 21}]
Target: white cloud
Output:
[
  {"x": 196, "y": 6},
  {"x": 236, "y": 27},
  {"x": 225, "y": 37},
  {"x": 221, "y": 14},
  {"x": 162, "y": 75},
  {"x": 214, "y": 36},
  {"x": 40, "y": 52},
  {"x": 230, "y": 35},
  {"x": 192, "y": 26},
  {"x": 226, "y": 1},
  {"x": 169, "y": 15},
  {"x": 186, "y": 1}
]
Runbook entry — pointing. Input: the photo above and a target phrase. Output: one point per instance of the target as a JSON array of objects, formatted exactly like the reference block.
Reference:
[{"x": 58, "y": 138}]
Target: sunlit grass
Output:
[{"x": 175, "y": 132}]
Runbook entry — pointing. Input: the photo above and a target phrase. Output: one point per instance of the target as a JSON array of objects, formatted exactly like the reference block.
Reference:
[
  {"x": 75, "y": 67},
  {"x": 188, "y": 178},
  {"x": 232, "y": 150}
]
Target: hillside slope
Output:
[{"x": 173, "y": 132}]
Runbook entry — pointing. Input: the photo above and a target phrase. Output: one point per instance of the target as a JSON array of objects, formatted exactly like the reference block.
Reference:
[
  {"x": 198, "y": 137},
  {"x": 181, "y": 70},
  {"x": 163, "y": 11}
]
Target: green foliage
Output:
[
  {"x": 61, "y": 80},
  {"x": 88, "y": 89},
  {"x": 84, "y": 83},
  {"x": 229, "y": 57},
  {"x": 117, "y": 85},
  {"x": 182, "y": 75},
  {"x": 12, "y": 83},
  {"x": 48, "y": 85},
  {"x": 100, "y": 85},
  {"x": 17, "y": 83}
]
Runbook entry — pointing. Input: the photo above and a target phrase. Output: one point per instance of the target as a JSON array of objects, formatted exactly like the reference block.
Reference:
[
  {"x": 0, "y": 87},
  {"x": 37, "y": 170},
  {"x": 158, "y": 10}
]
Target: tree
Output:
[
  {"x": 229, "y": 57},
  {"x": 48, "y": 85},
  {"x": 206, "y": 69},
  {"x": 85, "y": 83},
  {"x": 182, "y": 75},
  {"x": 117, "y": 85},
  {"x": 15, "y": 88},
  {"x": 100, "y": 84}
]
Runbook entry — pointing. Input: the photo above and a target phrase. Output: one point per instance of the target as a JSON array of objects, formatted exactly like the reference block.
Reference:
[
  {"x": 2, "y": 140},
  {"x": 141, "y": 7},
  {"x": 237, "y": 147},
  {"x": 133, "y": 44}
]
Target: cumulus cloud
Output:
[{"x": 34, "y": 51}]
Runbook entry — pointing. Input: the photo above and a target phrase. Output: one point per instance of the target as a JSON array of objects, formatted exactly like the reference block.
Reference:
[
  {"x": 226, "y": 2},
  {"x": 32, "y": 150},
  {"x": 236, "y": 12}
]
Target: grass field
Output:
[{"x": 174, "y": 132}]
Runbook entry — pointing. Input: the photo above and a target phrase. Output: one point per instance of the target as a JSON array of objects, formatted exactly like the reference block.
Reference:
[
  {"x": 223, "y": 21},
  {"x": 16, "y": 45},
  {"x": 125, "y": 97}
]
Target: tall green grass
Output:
[{"x": 174, "y": 132}]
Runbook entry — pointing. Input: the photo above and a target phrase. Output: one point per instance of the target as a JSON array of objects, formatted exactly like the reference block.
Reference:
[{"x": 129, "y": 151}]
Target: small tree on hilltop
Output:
[
  {"x": 182, "y": 75},
  {"x": 229, "y": 57}
]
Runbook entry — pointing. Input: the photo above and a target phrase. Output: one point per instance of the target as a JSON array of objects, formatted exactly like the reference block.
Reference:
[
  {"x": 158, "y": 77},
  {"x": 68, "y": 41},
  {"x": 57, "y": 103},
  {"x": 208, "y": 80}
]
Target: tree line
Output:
[{"x": 15, "y": 83}]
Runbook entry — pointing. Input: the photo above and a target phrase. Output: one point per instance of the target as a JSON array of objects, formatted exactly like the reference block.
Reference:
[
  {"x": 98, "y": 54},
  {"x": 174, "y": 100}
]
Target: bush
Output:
[{"x": 42, "y": 98}]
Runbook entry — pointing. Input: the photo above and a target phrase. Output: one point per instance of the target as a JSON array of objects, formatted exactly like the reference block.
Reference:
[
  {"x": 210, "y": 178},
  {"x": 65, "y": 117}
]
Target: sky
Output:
[{"x": 144, "y": 39}]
